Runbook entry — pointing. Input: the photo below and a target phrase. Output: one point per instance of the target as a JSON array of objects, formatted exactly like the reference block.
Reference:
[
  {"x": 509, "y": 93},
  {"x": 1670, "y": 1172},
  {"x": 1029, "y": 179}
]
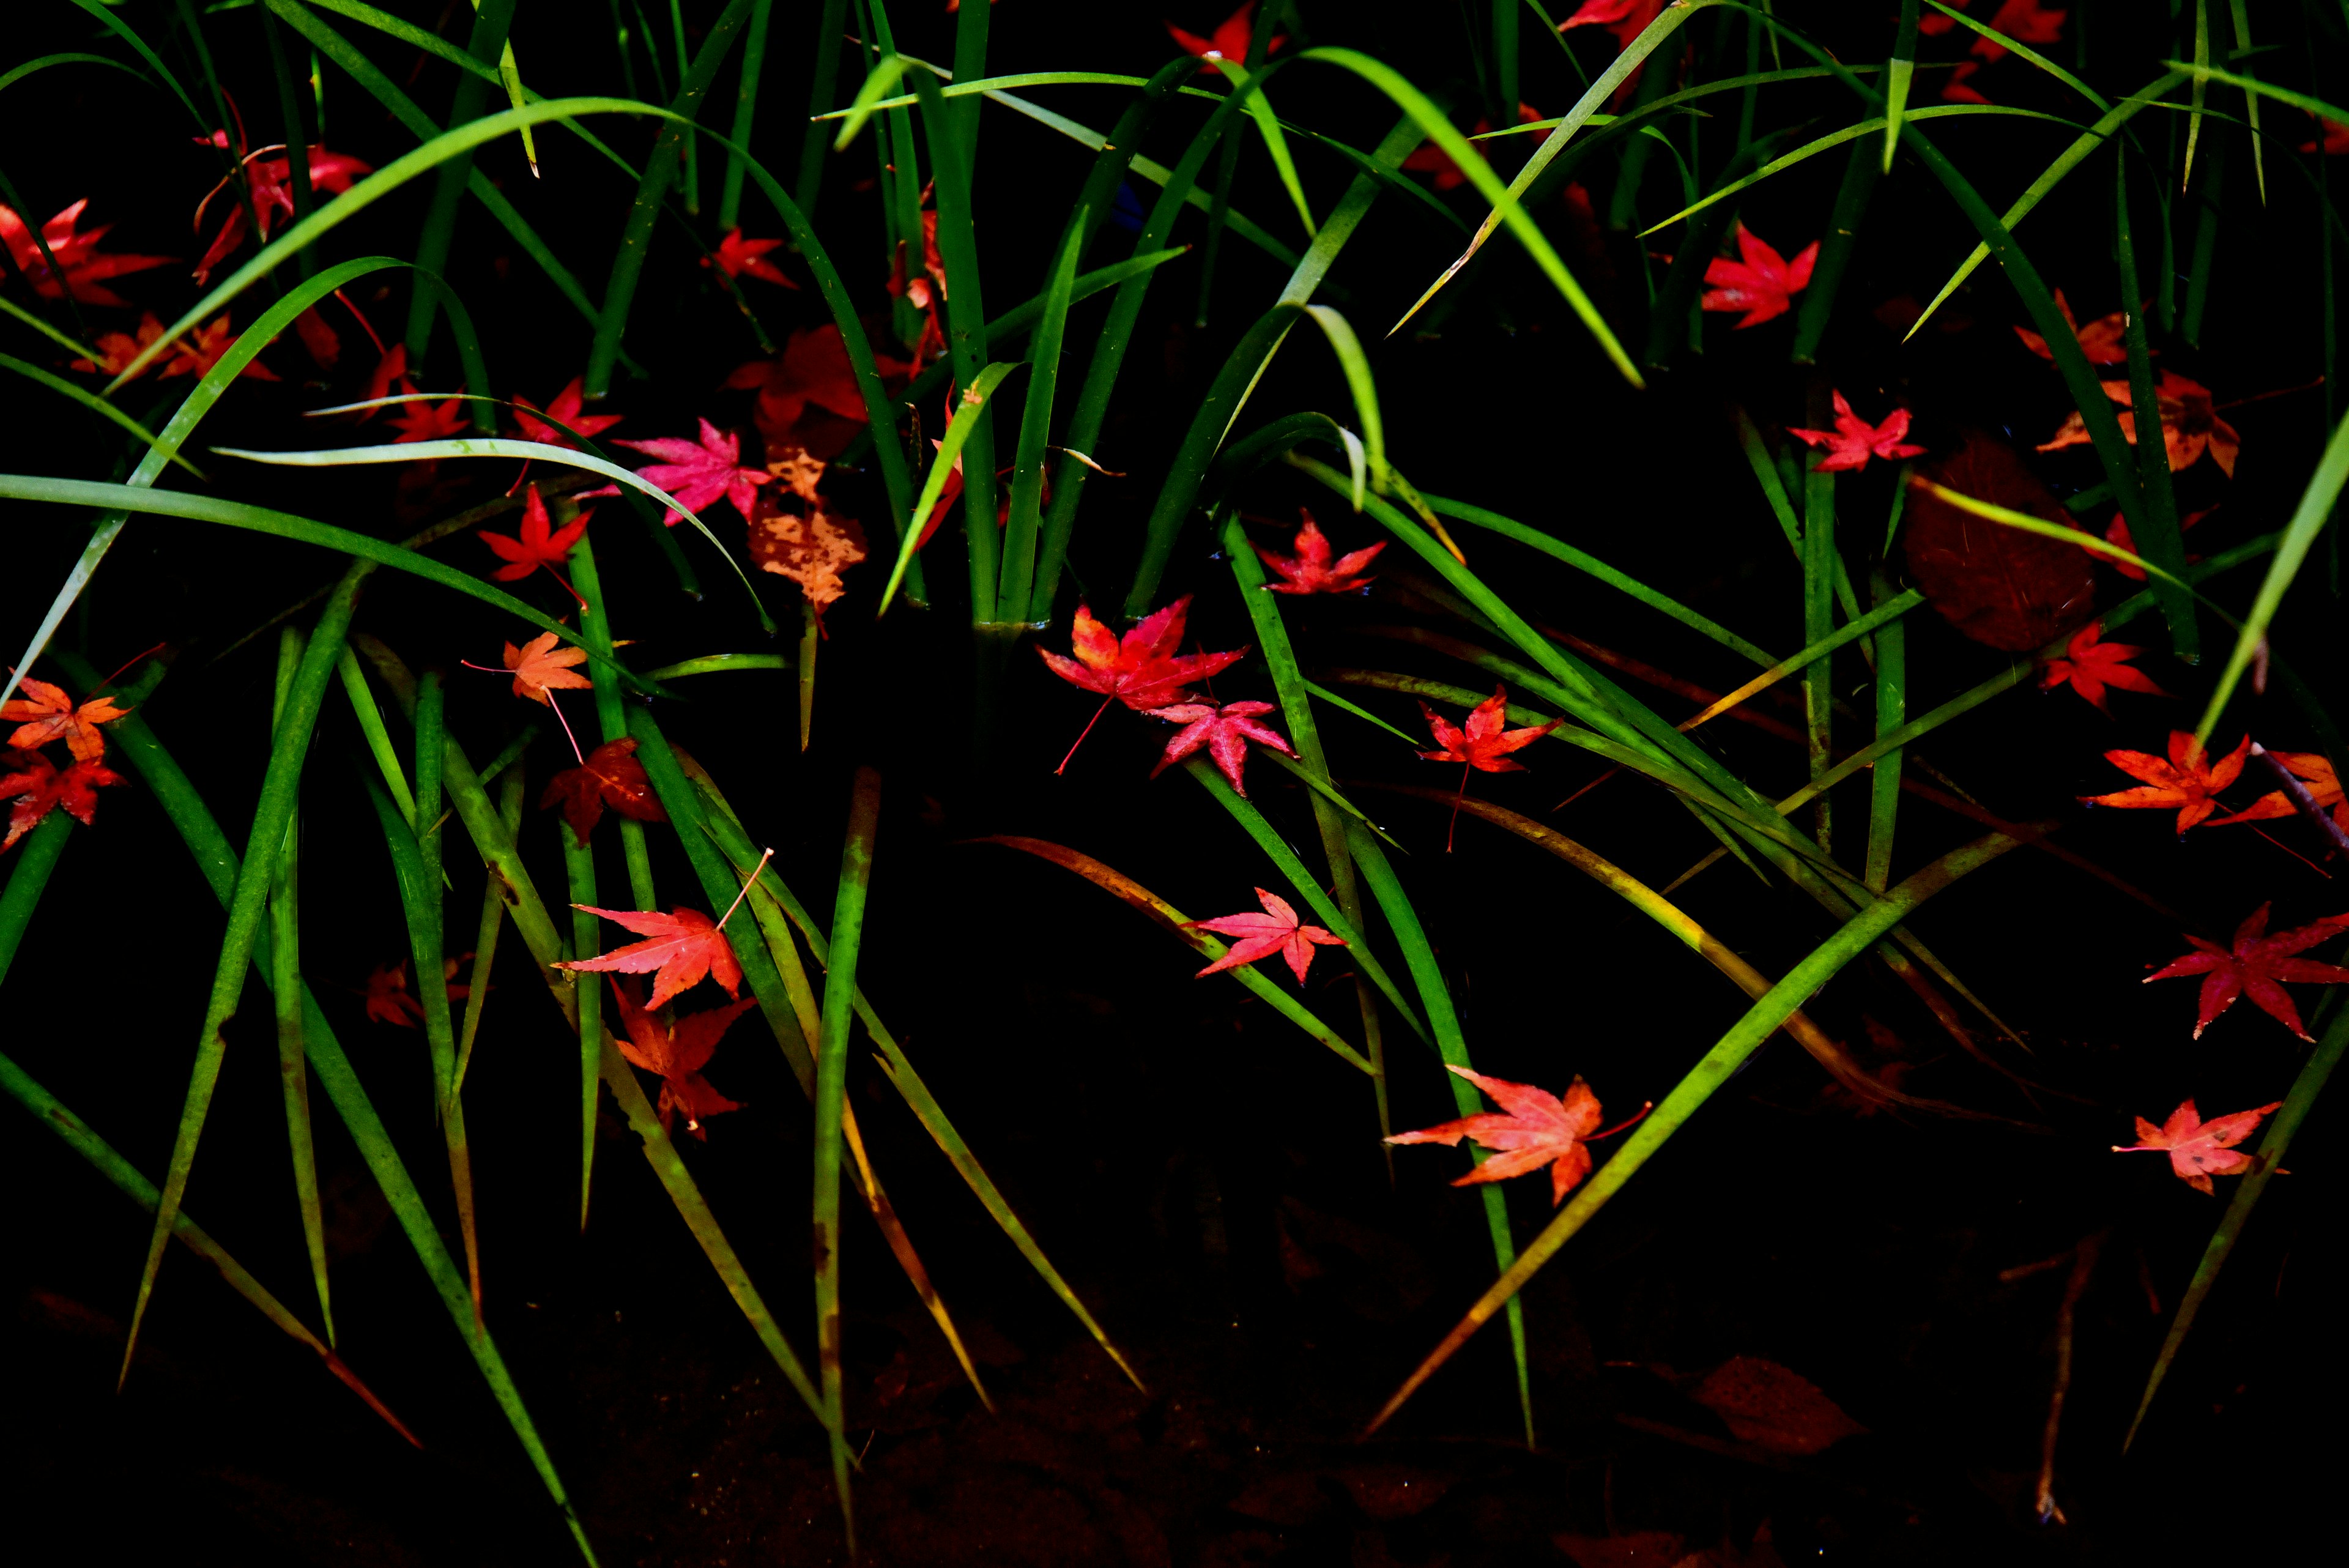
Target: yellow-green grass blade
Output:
[
  {"x": 1275, "y": 143},
  {"x": 286, "y": 958},
  {"x": 331, "y": 1069},
  {"x": 1884, "y": 614},
  {"x": 93, "y": 404},
  {"x": 72, "y": 345},
  {"x": 2201, "y": 87},
  {"x": 1898, "y": 71},
  {"x": 237, "y": 515},
  {"x": 1023, "y": 525},
  {"x": 2021, "y": 51},
  {"x": 611, "y": 713},
  {"x": 1727, "y": 1055},
  {"x": 492, "y": 18},
  {"x": 377, "y": 738},
  {"x": 961, "y": 432},
  {"x": 1891, "y": 712},
  {"x": 717, "y": 663},
  {"x": 289, "y": 746},
  {"x": 746, "y": 103},
  {"x": 1508, "y": 200}
]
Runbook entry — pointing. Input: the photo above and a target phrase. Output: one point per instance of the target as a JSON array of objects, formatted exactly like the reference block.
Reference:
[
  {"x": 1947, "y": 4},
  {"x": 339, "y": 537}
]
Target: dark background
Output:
[{"x": 1210, "y": 1184}]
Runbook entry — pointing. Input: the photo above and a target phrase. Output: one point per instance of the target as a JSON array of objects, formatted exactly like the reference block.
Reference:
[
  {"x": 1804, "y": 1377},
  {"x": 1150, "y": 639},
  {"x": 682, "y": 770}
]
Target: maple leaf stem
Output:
[
  {"x": 1082, "y": 734},
  {"x": 520, "y": 477},
  {"x": 764, "y": 856},
  {"x": 1640, "y": 1116},
  {"x": 567, "y": 589},
  {"x": 126, "y": 663},
  {"x": 1453, "y": 826},
  {"x": 566, "y": 729}
]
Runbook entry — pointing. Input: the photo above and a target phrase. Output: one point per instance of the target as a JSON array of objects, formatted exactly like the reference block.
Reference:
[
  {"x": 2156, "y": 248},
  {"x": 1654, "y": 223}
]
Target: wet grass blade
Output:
[
  {"x": 2267, "y": 1163},
  {"x": 1898, "y": 71},
  {"x": 492, "y": 18},
  {"x": 2243, "y": 24},
  {"x": 611, "y": 712},
  {"x": 1820, "y": 561},
  {"x": 286, "y": 961},
  {"x": 746, "y": 98},
  {"x": 661, "y": 173},
  {"x": 1891, "y": 712},
  {"x": 587, "y": 1001},
  {"x": 830, "y": 1099},
  {"x": 1022, "y": 528},
  {"x": 1435, "y": 996},
  {"x": 331, "y": 1071},
  {"x": 94, "y": 404},
  {"x": 1885, "y": 614},
  {"x": 289, "y": 744},
  {"x": 123, "y": 30},
  {"x": 822, "y": 89},
  {"x": 2201, "y": 86},
  {"x": 957, "y": 446},
  {"x": 1176, "y": 924},
  {"x": 377, "y": 738},
  {"x": 490, "y": 927},
  {"x": 1837, "y": 247},
  {"x": 1727, "y": 1055}
]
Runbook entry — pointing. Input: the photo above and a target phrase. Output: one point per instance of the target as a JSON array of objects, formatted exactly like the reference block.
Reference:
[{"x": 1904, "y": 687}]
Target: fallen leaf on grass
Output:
[
  {"x": 678, "y": 1051},
  {"x": 539, "y": 544},
  {"x": 1142, "y": 668},
  {"x": 2100, "y": 339},
  {"x": 739, "y": 257},
  {"x": 811, "y": 548},
  {"x": 1224, "y": 732},
  {"x": 1763, "y": 284},
  {"x": 2090, "y": 665},
  {"x": 701, "y": 471},
  {"x": 566, "y": 408},
  {"x": 2188, "y": 781},
  {"x": 2189, "y": 427},
  {"x": 1534, "y": 1128},
  {"x": 1230, "y": 41},
  {"x": 1854, "y": 441},
  {"x": 1484, "y": 744},
  {"x": 539, "y": 667},
  {"x": 2256, "y": 966},
  {"x": 2313, "y": 769},
  {"x": 684, "y": 945},
  {"x": 1311, "y": 570},
  {"x": 45, "y": 714},
  {"x": 610, "y": 776},
  {"x": 1277, "y": 931},
  {"x": 2198, "y": 1149},
  {"x": 84, "y": 267}
]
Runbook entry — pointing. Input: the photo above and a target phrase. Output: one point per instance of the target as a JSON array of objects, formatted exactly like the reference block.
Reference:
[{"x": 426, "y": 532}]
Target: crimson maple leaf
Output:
[
  {"x": 610, "y": 776},
  {"x": 2189, "y": 425},
  {"x": 1311, "y": 570},
  {"x": 1277, "y": 931},
  {"x": 2100, "y": 339},
  {"x": 810, "y": 384},
  {"x": 1854, "y": 441},
  {"x": 739, "y": 257},
  {"x": 2255, "y": 966},
  {"x": 699, "y": 471},
  {"x": 2188, "y": 780},
  {"x": 565, "y": 409},
  {"x": 2024, "y": 21},
  {"x": 196, "y": 354},
  {"x": 1484, "y": 745},
  {"x": 539, "y": 546},
  {"x": 2334, "y": 139},
  {"x": 388, "y": 999},
  {"x": 684, "y": 945},
  {"x": 1224, "y": 732},
  {"x": 1141, "y": 670},
  {"x": 1763, "y": 284},
  {"x": 44, "y": 714},
  {"x": 2118, "y": 532},
  {"x": 2198, "y": 1149},
  {"x": 538, "y": 666},
  {"x": 678, "y": 1051},
  {"x": 83, "y": 267},
  {"x": 2312, "y": 768},
  {"x": 1627, "y": 19},
  {"x": 1229, "y": 41},
  {"x": 1534, "y": 1128},
  {"x": 2090, "y": 666},
  {"x": 1430, "y": 159},
  {"x": 391, "y": 367},
  {"x": 39, "y": 787},
  {"x": 426, "y": 421},
  {"x": 268, "y": 181},
  {"x": 117, "y": 349}
]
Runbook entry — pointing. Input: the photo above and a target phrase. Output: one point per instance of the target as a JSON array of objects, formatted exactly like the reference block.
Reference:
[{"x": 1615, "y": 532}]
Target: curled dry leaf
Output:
[
  {"x": 2198, "y": 1149},
  {"x": 2003, "y": 586}
]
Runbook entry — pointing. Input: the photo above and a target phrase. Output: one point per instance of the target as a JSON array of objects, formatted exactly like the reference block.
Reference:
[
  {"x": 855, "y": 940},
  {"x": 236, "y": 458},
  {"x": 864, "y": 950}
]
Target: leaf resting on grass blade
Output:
[
  {"x": 2198, "y": 1149},
  {"x": 2188, "y": 780},
  {"x": 610, "y": 776},
  {"x": 684, "y": 945},
  {"x": 1533, "y": 1128},
  {"x": 2003, "y": 586},
  {"x": 678, "y": 1051},
  {"x": 1224, "y": 732},
  {"x": 1277, "y": 931}
]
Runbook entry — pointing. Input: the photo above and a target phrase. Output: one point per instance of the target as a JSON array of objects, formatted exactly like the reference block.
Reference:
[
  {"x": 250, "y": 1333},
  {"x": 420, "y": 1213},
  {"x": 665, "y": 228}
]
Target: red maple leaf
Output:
[
  {"x": 44, "y": 714},
  {"x": 1141, "y": 670},
  {"x": 1763, "y": 284},
  {"x": 1427, "y": 158},
  {"x": 38, "y": 788},
  {"x": 701, "y": 471},
  {"x": 564, "y": 408},
  {"x": 1535, "y": 1128},
  {"x": 1484, "y": 744},
  {"x": 2090, "y": 666},
  {"x": 684, "y": 945},
  {"x": 388, "y": 999},
  {"x": 2198, "y": 1149},
  {"x": 539, "y": 666},
  {"x": 810, "y": 384},
  {"x": 539, "y": 546},
  {"x": 610, "y": 776},
  {"x": 1229, "y": 41},
  {"x": 2189, "y": 780},
  {"x": 2334, "y": 138},
  {"x": 391, "y": 367},
  {"x": 1854, "y": 441},
  {"x": 2312, "y": 768},
  {"x": 739, "y": 257},
  {"x": 196, "y": 354},
  {"x": 2118, "y": 532},
  {"x": 678, "y": 1051},
  {"x": 79, "y": 258},
  {"x": 1224, "y": 732},
  {"x": 426, "y": 421},
  {"x": 269, "y": 180},
  {"x": 117, "y": 349},
  {"x": 2024, "y": 21},
  {"x": 2189, "y": 425},
  {"x": 2256, "y": 966},
  {"x": 1277, "y": 931},
  {"x": 2100, "y": 339},
  {"x": 1311, "y": 570},
  {"x": 1627, "y": 19}
]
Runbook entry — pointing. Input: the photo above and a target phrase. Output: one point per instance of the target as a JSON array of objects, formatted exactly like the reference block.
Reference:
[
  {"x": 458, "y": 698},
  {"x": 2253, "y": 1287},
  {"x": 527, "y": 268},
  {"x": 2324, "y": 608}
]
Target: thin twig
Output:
[
  {"x": 2083, "y": 1263},
  {"x": 2297, "y": 792}
]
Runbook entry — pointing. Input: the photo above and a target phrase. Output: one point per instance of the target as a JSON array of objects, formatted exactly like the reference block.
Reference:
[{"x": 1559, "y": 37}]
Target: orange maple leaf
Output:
[
  {"x": 2189, "y": 780},
  {"x": 539, "y": 667},
  {"x": 44, "y": 714},
  {"x": 1535, "y": 1128},
  {"x": 2189, "y": 425},
  {"x": 2198, "y": 1149},
  {"x": 2312, "y": 768},
  {"x": 2090, "y": 665}
]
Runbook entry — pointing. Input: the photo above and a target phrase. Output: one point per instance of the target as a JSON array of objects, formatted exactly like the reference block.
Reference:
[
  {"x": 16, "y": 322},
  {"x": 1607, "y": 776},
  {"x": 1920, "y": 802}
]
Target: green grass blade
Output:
[
  {"x": 1480, "y": 173},
  {"x": 2160, "y": 541},
  {"x": 488, "y": 930},
  {"x": 1275, "y": 144},
  {"x": 1435, "y": 996},
  {"x": 1891, "y": 712},
  {"x": 587, "y": 941},
  {"x": 746, "y": 101},
  {"x": 717, "y": 663},
  {"x": 821, "y": 92},
  {"x": 285, "y": 972},
  {"x": 289, "y": 744},
  {"x": 1860, "y": 175},
  {"x": 124, "y": 31},
  {"x": 94, "y": 404},
  {"x": 377, "y": 738},
  {"x": 1361, "y": 385},
  {"x": 1219, "y": 407},
  {"x": 661, "y": 173},
  {"x": 1886, "y": 613},
  {"x": 1023, "y": 527},
  {"x": 2242, "y": 24},
  {"x": 1727, "y": 1055},
  {"x": 611, "y": 712},
  {"x": 1819, "y": 562},
  {"x": 1898, "y": 71},
  {"x": 2023, "y": 51},
  {"x": 831, "y": 1097},
  {"x": 2201, "y": 87},
  {"x": 492, "y": 18},
  {"x": 957, "y": 443},
  {"x": 2298, "y": 1102},
  {"x": 72, "y": 345},
  {"x": 1509, "y": 528}
]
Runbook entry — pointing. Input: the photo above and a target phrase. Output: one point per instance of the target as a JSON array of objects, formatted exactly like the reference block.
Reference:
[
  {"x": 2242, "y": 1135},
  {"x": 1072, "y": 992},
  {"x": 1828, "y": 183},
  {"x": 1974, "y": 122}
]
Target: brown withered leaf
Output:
[
  {"x": 2003, "y": 586},
  {"x": 1772, "y": 1407},
  {"x": 812, "y": 550}
]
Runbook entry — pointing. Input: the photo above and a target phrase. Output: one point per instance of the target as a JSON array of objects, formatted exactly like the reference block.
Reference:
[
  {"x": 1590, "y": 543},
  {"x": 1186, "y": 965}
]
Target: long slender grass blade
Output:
[{"x": 286, "y": 958}]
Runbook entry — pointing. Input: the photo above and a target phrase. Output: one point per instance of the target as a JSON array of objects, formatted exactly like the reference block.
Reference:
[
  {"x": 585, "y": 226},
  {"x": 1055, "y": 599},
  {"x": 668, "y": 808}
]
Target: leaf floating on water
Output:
[{"x": 2004, "y": 587}]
